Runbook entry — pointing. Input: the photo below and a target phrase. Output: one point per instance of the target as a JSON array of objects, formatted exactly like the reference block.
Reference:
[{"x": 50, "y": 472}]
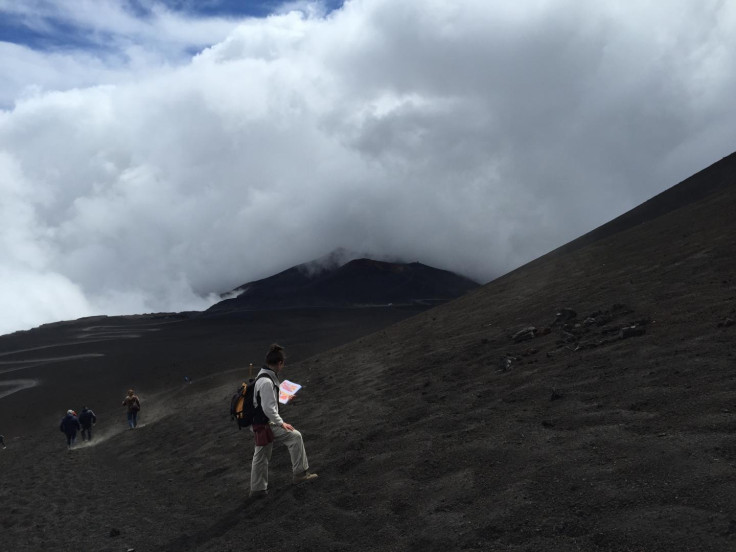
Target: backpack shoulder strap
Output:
[
  {"x": 260, "y": 377},
  {"x": 257, "y": 378},
  {"x": 258, "y": 395}
]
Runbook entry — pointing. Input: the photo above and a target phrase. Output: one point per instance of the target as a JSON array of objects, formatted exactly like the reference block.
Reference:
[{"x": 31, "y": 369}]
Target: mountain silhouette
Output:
[
  {"x": 359, "y": 282},
  {"x": 584, "y": 401}
]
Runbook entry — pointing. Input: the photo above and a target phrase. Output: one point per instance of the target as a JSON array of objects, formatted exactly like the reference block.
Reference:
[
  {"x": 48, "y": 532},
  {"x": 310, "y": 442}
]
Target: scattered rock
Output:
[
  {"x": 631, "y": 331},
  {"x": 642, "y": 322},
  {"x": 555, "y": 395},
  {"x": 525, "y": 334},
  {"x": 726, "y": 322},
  {"x": 599, "y": 318},
  {"x": 114, "y": 532},
  {"x": 504, "y": 363},
  {"x": 593, "y": 331}
]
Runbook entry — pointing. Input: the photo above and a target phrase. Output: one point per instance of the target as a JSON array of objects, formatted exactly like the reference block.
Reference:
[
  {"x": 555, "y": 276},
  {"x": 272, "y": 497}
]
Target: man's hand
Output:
[{"x": 287, "y": 427}]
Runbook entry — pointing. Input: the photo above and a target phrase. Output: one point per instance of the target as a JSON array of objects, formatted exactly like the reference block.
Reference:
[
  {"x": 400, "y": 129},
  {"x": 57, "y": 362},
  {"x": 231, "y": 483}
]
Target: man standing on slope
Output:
[
  {"x": 69, "y": 426},
  {"x": 87, "y": 419},
  {"x": 133, "y": 404},
  {"x": 269, "y": 428}
]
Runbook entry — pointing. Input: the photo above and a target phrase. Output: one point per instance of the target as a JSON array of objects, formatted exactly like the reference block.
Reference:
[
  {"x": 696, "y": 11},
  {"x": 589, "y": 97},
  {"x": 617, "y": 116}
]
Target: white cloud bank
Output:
[{"x": 469, "y": 135}]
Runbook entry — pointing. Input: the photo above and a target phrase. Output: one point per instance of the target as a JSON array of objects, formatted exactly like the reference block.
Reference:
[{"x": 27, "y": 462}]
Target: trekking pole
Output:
[{"x": 250, "y": 371}]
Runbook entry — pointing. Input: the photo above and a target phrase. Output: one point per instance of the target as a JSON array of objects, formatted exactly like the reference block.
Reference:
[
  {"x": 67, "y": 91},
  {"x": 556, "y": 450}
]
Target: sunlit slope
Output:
[{"x": 443, "y": 432}]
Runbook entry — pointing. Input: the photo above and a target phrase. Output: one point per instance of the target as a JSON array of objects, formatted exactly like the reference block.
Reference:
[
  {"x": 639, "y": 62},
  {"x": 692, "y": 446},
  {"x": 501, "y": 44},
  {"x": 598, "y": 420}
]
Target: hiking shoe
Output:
[
  {"x": 304, "y": 476},
  {"x": 259, "y": 494}
]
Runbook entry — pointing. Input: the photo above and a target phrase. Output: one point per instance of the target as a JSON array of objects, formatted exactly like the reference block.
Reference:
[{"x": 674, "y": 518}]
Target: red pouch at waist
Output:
[{"x": 263, "y": 434}]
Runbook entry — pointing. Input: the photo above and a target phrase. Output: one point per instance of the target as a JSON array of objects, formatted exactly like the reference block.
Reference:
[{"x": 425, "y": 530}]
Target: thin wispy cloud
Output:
[{"x": 183, "y": 154}]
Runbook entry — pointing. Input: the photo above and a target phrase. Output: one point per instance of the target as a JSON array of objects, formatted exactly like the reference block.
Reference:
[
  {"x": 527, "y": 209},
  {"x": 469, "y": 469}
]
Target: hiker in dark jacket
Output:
[
  {"x": 69, "y": 426},
  {"x": 87, "y": 419},
  {"x": 134, "y": 405},
  {"x": 269, "y": 428}
]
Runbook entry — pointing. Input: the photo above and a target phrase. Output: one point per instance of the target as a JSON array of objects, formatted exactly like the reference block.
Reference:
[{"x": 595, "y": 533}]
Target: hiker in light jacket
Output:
[
  {"x": 269, "y": 428},
  {"x": 133, "y": 404},
  {"x": 69, "y": 426},
  {"x": 87, "y": 419}
]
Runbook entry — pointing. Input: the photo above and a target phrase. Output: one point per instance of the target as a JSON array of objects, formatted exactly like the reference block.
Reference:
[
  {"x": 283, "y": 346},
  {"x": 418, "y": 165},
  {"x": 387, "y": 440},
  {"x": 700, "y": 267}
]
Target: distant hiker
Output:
[
  {"x": 87, "y": 419},
  {"x": 268, "y": 428},
  {"x": 133, "y": 404},
  {"x": 187, "y": 379},
  {"x": 69, "y": 426},
  {"x": 2, "y": 441}
]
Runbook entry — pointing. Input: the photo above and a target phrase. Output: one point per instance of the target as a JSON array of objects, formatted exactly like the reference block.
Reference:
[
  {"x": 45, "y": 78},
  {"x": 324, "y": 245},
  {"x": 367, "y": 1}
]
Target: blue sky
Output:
[
  {"x": 254, "y": 8},
  {"x": 49, "y": 28},
  {"x": 152, "y": 156}
]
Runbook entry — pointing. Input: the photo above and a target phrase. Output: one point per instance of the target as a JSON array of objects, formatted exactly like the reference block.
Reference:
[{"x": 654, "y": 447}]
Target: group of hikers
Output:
[
  {"x": 71, "y": 423},
  {"x": 268, "y": 426}
]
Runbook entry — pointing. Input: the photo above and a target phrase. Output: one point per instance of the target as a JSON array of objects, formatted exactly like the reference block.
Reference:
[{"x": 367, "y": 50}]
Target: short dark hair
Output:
[{"x": 275, "y": 355}]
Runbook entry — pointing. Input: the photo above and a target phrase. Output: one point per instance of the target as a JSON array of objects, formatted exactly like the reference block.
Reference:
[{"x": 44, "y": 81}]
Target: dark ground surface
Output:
[{"x": 439, "y": 432}]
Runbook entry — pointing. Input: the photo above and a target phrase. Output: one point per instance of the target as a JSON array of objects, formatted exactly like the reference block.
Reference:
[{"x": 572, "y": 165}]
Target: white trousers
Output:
[{"x": 262, "y": 456}]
